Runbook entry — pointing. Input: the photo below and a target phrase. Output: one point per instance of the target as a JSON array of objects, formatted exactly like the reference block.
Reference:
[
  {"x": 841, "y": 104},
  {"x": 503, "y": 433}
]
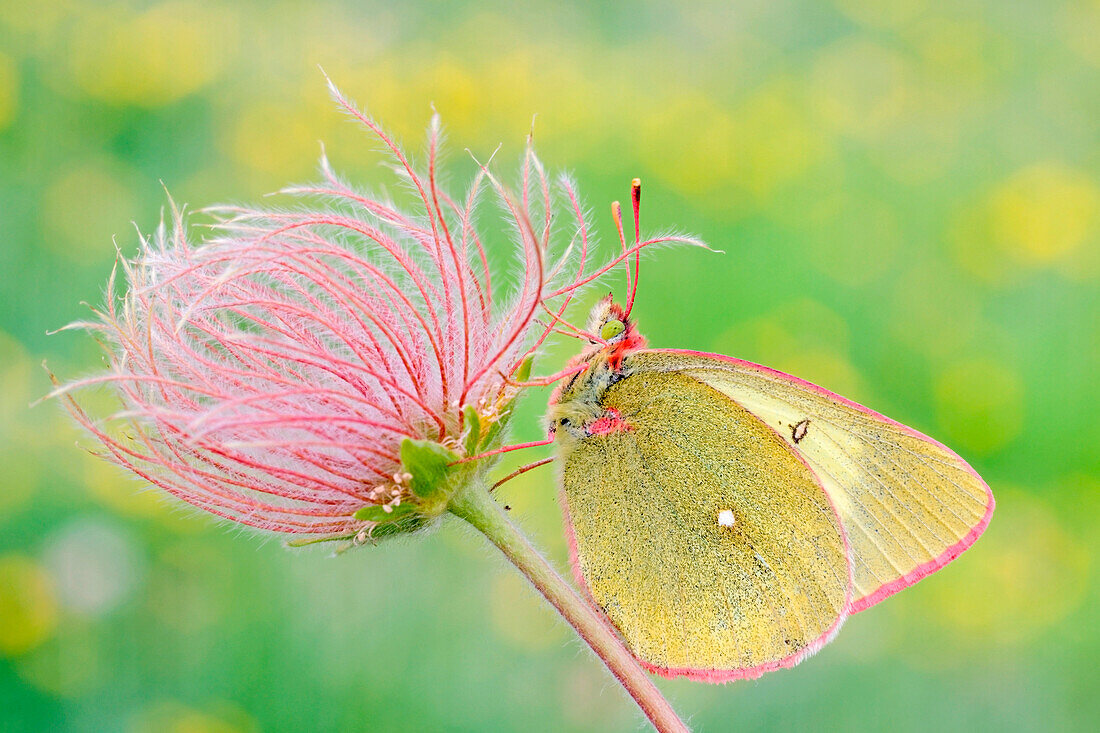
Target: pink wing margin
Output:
[
  {"x": 887, "y": 589},
  {"x": 715, "y": 676}
]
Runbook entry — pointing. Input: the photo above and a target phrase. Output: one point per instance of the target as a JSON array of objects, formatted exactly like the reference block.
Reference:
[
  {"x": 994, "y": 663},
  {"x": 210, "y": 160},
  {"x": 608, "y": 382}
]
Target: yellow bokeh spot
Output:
[
  {"x": 1078, "y": 23},
  {"x": 980, "y": 403},
  {"x": 36, "y": 22},
  {"x": 390, "y": 100},
  {"x": 921, "y": 150},
  {"x": 826, "y": 368},
  {"x": 460, "y": 96},
  {"x": 520, "y": 616},
  {"x": 277, "y": 139},
  {"x": 9, "y": 90},
  {"x": 959, "y": 52},
  {"x": 681, "y": 122},
  {"x": 69, "y": 664},
  {"x": 85, "y": 208},
  {"x": 1026, "y": 574},
  {"x": 169, "y": 716},
  {"x": 28, "y": 605},
  {"x": 153, "y": 58},
  {"x": 483, "y": 101},
  {"x": 489, "y": 97},
  {"x": 476, "y": 99},
  {"x": 933, "y": 314},
  {"x": 19, "y": 479},
  {"x": 20, "y": 438},
  {"x": 116, "y": 488},
  {"x": 1044, "y": 212},
  {"x": 720, "y": 155},
  {"x": 883, "y": 14},
  {"x": 861, "y": 88},
  {"x": 775, "y": 140},
  {"x": 972, "y": 246},
  {"x": 800, "y": 337},
  {"x": 16, "y": 370},
  {"x": 187, "y": 589},
  {"x": 853, "y": 241}
]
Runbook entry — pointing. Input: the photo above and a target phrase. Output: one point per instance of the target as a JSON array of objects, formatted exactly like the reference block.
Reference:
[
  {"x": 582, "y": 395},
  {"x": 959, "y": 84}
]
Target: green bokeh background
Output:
[{"x": 908, "y": 195}]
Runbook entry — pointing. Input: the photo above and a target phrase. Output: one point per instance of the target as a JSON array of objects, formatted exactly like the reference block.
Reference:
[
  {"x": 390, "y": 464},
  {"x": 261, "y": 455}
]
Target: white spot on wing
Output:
[{"x": 726, "y": 518}]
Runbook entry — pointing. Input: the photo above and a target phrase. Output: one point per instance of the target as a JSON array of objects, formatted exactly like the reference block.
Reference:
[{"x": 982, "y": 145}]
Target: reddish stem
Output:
[{"x": 477, "y": 507}]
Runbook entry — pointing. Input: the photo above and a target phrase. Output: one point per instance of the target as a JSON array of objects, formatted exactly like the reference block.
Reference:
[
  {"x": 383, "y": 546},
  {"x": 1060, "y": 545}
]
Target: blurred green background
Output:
[{"x": 908, "y": 194}]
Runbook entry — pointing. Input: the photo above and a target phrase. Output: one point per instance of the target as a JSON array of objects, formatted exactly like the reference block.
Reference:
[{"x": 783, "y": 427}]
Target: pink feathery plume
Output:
[{"x": 270, "y": 374}]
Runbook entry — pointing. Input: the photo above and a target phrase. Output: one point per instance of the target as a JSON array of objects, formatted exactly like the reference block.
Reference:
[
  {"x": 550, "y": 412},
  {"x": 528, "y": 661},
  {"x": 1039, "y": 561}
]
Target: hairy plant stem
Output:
[{"x": 476, "y": 506}]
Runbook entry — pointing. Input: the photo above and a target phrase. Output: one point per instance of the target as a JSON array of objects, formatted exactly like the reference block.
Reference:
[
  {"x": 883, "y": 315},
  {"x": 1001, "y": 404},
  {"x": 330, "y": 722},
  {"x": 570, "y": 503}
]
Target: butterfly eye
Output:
[{"x": 611, "y": 329}]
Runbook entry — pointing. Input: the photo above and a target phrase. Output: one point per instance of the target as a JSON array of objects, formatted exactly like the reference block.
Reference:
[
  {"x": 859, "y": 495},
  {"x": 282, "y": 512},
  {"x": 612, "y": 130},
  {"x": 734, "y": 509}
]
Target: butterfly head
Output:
[
  {"x": 609, "y": 324},
  {"x": 615, "y": 330},
  {"x": 576, "y": 409}
]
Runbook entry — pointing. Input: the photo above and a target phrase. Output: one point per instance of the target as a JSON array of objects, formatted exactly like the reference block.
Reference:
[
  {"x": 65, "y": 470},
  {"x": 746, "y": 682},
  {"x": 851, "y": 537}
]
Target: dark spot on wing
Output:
[{"x": 798, "y": 431}]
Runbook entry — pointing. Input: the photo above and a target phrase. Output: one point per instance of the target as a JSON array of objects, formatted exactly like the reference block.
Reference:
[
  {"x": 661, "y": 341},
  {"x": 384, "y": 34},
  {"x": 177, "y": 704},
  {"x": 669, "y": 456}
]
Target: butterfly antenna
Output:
[
  {"x": 576, "y": 332},
  {"x": 521, "y": 470},
  {"x": 505, "y": 449},
  {"x": 544, "y": 381},
  {"x": 617, "y": 215},
  {"x": 636, "y": 199}
]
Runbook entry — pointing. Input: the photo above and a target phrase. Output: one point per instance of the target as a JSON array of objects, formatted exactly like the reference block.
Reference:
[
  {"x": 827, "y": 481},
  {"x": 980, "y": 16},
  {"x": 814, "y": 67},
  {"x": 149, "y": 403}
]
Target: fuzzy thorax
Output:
[{"x": 577, "y": 409}]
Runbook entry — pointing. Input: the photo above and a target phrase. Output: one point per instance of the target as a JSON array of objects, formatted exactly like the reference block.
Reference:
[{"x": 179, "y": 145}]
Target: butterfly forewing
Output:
[
  {"x": 707, "y": 541},
  {"x": 909, "y": 504}
]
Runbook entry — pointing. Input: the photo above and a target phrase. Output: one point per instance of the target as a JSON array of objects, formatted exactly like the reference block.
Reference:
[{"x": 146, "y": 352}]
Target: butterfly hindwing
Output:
[
  {"x": 705, "y": 539},
  {"x": 909, "y": 504}
]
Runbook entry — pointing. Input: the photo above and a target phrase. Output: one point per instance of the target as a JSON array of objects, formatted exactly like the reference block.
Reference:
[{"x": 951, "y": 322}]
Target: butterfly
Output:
[{"x": 727, "y": 518}]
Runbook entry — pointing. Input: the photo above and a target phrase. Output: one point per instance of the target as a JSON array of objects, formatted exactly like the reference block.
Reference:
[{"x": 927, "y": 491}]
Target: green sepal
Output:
[
  {"x": 498, "y": 425},
  {"x": 307, "y": 541},
  {"x": 429, "y": 463},
  {"x": 524, "y": 371},
  {"x": 376, "y": 513},
  {"x": 472, "y": 421},
  {"x": 408, "y": 524}
]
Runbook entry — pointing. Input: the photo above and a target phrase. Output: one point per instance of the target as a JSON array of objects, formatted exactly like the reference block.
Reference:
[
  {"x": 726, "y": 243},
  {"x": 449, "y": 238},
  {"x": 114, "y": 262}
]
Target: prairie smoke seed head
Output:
[{"x": 317, "y": 372}]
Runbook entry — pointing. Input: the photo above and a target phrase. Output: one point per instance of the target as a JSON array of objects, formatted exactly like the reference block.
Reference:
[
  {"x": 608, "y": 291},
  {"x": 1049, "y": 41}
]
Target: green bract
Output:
[
  {"x": 429, "y": 463},
  {"x": 434, "y": 477}
]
